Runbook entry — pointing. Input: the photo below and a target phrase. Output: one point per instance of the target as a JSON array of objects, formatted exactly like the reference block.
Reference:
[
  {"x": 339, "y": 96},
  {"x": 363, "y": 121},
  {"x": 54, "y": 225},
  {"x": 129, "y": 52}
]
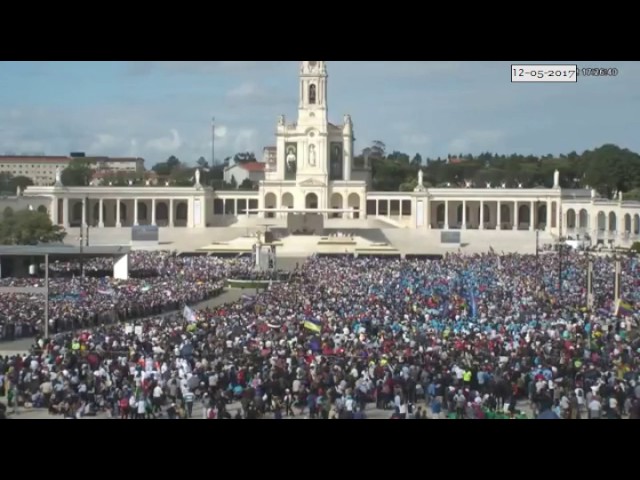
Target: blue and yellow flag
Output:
[
  {"x": 313, "y": 325},
  {"x": 624, "y": 308}
]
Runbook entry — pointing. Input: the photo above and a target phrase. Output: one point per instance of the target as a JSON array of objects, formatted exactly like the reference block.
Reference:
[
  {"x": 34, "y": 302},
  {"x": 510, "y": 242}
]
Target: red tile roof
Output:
[{"x": 252, "y": 166}]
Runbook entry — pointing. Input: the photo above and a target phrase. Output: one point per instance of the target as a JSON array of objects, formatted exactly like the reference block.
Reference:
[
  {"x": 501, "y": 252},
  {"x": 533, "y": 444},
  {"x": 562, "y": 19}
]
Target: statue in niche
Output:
[
  {"x": 291, "y": 158},
  {"x": 312, "y": 155},
  {"x": 312, "y": 94}
]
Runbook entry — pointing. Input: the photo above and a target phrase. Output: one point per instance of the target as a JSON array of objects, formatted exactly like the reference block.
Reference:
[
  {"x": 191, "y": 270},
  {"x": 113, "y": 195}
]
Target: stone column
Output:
[
  {"x": 54, "y": 211},
  {"x": 481, "y": 222},
  {"x": 171, "y": 215},
  {"x": 499, "y": 215},
  {"x": 118, "y": 222},
  {"x": 101, "y": 213},
  {"x": 153, "y": 211},
  {"x": 532, "y": 216},
  {"x": 388, "y": 208},
  {"x": 446, "y": 215},
  {"x": 84, "y": 213},
  {"x": 516, "y": 217},
  {"x": 464, "y": 215},
  {"x": 377, "y": 207},
  {"x": 135, "y": 211},
  {"x": 65, "y": 212}
]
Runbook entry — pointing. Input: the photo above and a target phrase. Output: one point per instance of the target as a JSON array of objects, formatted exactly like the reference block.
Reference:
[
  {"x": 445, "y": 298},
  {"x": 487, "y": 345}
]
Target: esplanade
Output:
[{"x": 314, "y": 170}]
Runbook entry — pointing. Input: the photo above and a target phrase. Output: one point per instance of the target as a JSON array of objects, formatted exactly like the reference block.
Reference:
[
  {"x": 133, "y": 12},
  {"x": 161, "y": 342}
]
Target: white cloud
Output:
[
  {"x": 167, "y": 144},
  {"x": 247, "y": 89},
  {"x": 244, "y": 140},
  {"x": 416, "y": 140}
]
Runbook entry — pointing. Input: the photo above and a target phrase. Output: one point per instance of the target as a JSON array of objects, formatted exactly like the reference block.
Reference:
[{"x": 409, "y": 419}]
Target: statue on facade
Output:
[
  {"x": 347, "y": 119},
  {"x": 197, "y": 175},
  {"x": 420, "y": 178},
  {"x": 58, "y": 175},
  {"x": 312, "y": 155},
  {"x": 291, "y": 158},
  {"x": 281, "y": 120}
]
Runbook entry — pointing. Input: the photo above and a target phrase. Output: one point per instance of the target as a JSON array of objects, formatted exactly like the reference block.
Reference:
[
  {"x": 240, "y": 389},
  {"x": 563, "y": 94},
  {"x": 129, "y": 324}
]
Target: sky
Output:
[{"x": 157, "y": 109}]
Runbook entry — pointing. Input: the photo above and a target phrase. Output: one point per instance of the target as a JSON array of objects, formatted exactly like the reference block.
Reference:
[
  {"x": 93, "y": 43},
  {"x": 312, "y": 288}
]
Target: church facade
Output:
[{"x": 313, "y": 169}]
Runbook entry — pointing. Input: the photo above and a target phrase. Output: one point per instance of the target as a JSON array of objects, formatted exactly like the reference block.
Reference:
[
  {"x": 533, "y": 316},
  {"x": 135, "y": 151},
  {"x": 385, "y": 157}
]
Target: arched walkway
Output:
[
  {"x": 143, "y": 212},
  {"x": 42, "y": 209},
  {"x": 627, "y": 223},
  {"x": 636, "y": 224},
  {"x": 270, "y": 202},
  {"x": 583, "y": 219},
  {"x": 162, "y": 214},
  {"x": 571, "y": 218},
  {"x": 287, "y": 200},
  {"x": 182, "y": 212},
  {"x": 311, "y": 201},
  {"x": 337, "y": 203},
  {"x": 524, "y": 216},
  {"x": 613, "y": 222},
  {"x": 76, "y": 215},
  {"x": 505, "y": 215},
  {"x": 440, "y": 211},
  {"x": 354, "y": 202},
  {"x": 602, "y": 221}
]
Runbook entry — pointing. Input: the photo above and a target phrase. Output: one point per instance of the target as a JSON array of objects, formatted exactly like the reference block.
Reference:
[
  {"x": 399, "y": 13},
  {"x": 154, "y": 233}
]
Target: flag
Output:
[
  {"x": 474, "y": 305},
  {"x": 106, "y": 291},
  {"x": 313, "y": 325},
  {"x": 624, "y": 308},
  {"x": 189, "y": 315}
]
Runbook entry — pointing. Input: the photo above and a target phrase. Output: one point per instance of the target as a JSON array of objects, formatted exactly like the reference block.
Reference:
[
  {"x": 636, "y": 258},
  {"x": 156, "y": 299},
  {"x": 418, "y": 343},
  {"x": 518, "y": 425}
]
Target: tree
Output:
[
  {"x": 246, "y": 185},
  {"x": 244, "y": 157},
  {"x": 165, "y": 169},
  {"x": 20, "y": 181},
  {"x": 29, "y": 227},
  {"x": 611, "y": 169},
  {"x": 416, "y": 161},
  {"x": 202, "y": 163},
  {"x": 79, "y": 173}
]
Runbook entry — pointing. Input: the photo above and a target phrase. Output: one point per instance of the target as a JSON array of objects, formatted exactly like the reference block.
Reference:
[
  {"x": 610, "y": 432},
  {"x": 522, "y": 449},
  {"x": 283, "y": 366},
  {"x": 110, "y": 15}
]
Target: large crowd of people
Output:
[
  {"x": 466, "y": 336},
  {"x": 159, "y": 282}
]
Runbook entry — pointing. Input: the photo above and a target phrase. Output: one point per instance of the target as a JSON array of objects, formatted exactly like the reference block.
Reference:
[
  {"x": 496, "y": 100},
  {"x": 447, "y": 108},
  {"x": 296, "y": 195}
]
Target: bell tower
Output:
[{"x": 312, "y": 108}]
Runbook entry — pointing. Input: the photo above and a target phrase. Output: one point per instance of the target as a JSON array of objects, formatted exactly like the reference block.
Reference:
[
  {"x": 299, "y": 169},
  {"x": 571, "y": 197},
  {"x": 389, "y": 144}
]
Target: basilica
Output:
[{"x": 313, "y": 170}]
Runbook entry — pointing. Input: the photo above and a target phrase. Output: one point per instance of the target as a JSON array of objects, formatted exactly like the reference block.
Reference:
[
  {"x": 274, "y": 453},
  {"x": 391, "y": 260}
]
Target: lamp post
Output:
[{"x": 46, "y": 296}]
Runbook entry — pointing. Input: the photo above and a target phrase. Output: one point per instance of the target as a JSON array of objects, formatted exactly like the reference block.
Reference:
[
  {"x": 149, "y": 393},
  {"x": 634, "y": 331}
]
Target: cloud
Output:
[
  {"x": 167, "y": 144},
  {"x": 198, "y": 68},
  {"x": 245, "y": 90},
  {"x": 157, "y": 109}
]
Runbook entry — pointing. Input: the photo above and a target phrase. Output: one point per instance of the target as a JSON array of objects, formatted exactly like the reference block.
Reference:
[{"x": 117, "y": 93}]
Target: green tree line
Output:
[{"x": 609, "y": 169}]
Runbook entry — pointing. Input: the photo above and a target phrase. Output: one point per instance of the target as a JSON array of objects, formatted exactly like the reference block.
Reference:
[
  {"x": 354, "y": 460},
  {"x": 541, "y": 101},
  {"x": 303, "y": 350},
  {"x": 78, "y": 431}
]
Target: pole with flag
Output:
[{"x": 189, "y": 315}]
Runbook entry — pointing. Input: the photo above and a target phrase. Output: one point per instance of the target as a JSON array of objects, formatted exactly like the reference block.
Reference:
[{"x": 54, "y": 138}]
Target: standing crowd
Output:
[{"x": 466, "y": 337}]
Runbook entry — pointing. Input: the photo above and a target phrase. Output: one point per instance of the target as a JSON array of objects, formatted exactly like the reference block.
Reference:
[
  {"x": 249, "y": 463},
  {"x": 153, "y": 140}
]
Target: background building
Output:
[
  {"x": 253, "y": 171},
  {"x": 41, "y": 169}
]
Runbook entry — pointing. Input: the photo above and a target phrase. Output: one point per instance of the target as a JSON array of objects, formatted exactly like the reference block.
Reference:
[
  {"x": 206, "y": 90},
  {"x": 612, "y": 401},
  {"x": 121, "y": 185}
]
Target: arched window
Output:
[{"x": 312, "y": 94}]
